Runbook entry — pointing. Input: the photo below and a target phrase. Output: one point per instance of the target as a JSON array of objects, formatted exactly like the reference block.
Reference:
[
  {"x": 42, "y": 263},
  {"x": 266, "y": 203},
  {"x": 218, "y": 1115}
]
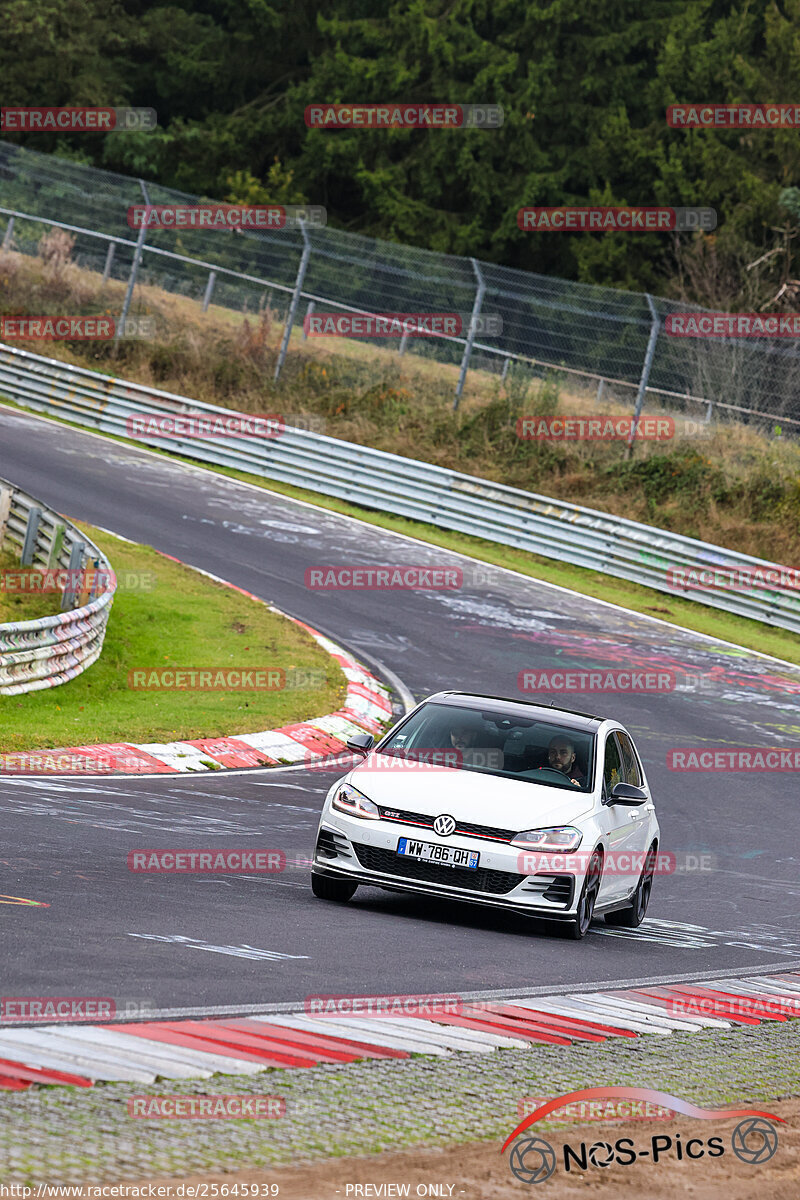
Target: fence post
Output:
[
  {"x": 476, "y": 308},
  {"x": 403, "y": 342},
  {"x": 59, "y": 533},
  {"x": 601, "y": 387},
  {"x": 309, "y": 313},
  {"x": 648, "y": 362},
  {"x": 212, "y": 276},
  {"x": 137, "y": 258},
  {"x": 75, "y": 559},
  {"x": 31, "y": 534},
  {"x": 109, "y": 261},
  {"x": 9, "y": 233},
  {"x": 298, "y": 287}
]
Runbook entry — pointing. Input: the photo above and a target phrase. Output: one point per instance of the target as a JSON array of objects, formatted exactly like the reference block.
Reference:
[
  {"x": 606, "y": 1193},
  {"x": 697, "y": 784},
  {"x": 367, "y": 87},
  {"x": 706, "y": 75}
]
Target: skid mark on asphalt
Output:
[
  {"x": 493, "y": 613},
  {"x": 234, "y": 951},
  {"x": 768, "y": 938},
  {"x": 92, "y": 809}
]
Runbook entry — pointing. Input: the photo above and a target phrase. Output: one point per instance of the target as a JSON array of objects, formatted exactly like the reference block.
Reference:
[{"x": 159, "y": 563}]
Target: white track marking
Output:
[
  {"x": 610, "y": 1009},
  {"x": 35, "y": 1049},
  {"x": 148, "y": 1052},
  {"x": 369, "y": 1030}
]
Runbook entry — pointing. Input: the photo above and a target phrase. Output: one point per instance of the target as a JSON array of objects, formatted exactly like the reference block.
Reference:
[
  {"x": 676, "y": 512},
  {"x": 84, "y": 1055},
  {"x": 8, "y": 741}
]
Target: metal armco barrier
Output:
[
  {"x": 390, "y": 484},
  {"x": 48, "y": 651}
]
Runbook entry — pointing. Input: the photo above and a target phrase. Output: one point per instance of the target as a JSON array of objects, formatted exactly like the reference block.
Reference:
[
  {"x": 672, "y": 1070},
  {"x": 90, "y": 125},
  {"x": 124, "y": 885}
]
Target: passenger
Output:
[{"x": 464, "y": 739}]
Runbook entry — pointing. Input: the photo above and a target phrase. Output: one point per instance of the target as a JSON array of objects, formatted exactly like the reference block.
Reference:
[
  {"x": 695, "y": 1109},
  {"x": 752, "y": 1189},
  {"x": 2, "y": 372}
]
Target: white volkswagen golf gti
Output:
[{"x": 499, "y": 802}]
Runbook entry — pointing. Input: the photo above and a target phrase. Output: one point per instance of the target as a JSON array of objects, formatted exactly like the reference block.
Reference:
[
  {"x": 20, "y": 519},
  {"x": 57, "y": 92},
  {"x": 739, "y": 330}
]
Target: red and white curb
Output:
[
  {"x": 197, "y": 1049},
  {"x": 367, "y": 708}
]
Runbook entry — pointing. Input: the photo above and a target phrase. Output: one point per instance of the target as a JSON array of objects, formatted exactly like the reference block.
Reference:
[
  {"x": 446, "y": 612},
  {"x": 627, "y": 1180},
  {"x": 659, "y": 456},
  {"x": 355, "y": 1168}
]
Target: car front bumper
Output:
[{"x": 366, "y": 852}]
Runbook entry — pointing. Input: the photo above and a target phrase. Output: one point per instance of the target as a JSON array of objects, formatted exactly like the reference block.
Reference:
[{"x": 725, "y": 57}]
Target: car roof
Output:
[{"x": 579, "y": 721}]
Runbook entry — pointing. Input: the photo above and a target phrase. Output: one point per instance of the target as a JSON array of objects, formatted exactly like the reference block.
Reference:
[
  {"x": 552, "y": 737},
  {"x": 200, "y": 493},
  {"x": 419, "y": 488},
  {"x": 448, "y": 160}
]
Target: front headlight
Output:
[
  {"x": 350, "y": 800},
  {"x": 562, "y": 837}
]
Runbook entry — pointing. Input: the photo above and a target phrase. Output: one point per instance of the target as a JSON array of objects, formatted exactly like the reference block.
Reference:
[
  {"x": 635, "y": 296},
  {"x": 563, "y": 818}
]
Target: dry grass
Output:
[{"x": 728, "y": 484}]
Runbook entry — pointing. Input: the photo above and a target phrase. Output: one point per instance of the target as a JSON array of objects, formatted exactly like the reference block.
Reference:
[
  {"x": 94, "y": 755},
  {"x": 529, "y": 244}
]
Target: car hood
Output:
[{"x": 471, "y": 796}]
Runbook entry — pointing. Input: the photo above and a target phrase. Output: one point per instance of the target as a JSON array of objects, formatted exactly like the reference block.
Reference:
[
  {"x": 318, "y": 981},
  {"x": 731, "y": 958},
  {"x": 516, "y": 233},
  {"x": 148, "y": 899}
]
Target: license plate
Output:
[{"x": 447, "y": 856}]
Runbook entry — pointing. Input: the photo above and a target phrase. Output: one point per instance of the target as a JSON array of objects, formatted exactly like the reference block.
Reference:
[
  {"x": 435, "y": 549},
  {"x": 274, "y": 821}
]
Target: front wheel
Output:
[
  {"x": 326, "y": 888},
  {"x": 579, "y": 927},
  {"x": 632, "y": 916}
]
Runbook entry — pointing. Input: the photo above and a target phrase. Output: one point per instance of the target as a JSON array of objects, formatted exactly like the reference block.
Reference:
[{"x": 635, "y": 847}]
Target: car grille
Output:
[
  {"x": 478, "y": 879},
  {"x": 463, "y": 827}
]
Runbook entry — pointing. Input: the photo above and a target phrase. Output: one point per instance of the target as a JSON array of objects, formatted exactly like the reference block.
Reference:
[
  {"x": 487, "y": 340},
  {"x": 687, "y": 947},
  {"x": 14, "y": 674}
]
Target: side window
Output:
[
  {"x": 630, "y": 765},
  {"x": 612, "y": 768}
]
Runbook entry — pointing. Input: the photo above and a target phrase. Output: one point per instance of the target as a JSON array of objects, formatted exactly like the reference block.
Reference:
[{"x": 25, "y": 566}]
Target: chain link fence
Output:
[{"x": 597, "y": 335}]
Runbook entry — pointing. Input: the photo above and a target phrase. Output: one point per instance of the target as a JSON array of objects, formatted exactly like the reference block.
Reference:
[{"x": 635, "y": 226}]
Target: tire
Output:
[
  {"x": 325, "y": 888},
  {"x": 632, "y": 916},
  {"x": 578, "y": 928}
]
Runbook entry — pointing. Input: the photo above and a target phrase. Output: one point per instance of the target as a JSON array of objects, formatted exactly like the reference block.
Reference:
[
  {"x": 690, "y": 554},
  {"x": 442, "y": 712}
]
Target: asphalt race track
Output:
[{"x": 196, "y": 942}]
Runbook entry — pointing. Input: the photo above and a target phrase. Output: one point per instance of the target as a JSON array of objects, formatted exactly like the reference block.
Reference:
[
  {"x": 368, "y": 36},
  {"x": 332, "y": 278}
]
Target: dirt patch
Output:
[{"x": 478, "y": 1171}]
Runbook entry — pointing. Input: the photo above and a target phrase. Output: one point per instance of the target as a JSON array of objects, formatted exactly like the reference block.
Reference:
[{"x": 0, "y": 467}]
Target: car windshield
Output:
[{"x": 542, "y": 752}]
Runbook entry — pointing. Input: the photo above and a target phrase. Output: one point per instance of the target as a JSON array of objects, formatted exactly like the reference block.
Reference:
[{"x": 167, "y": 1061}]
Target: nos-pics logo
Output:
[{"x": 533, "y": 1159}]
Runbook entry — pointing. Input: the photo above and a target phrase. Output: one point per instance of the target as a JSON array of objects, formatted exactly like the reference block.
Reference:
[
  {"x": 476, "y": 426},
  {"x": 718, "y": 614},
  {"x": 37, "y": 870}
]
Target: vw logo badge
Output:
[{"x": 444, "y": 825}]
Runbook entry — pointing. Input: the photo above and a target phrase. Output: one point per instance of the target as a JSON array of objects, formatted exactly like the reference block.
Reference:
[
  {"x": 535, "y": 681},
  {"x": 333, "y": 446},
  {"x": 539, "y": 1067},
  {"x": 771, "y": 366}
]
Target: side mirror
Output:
[
  {"x": 361, "y": 743},
  {"x": 627, "y": 794}
]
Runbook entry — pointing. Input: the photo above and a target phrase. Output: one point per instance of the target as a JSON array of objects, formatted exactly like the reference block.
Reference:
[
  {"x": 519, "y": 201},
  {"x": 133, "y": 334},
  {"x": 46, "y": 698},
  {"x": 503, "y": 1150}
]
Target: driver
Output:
[{"x": 561, "y": 757}]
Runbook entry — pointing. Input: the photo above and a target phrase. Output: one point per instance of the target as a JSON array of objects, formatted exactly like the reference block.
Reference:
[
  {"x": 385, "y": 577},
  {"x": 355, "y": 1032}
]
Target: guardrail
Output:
[
  {"x": 389, "y": 483},
  {"x": 48, "y": 651}
]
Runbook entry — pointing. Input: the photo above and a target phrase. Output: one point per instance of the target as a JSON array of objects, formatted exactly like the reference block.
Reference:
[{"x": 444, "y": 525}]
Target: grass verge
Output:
[
  {"x": 724, "y": 482},
  {"x": 21, "y": 606},
  {"x": 166, "y": 615}
]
